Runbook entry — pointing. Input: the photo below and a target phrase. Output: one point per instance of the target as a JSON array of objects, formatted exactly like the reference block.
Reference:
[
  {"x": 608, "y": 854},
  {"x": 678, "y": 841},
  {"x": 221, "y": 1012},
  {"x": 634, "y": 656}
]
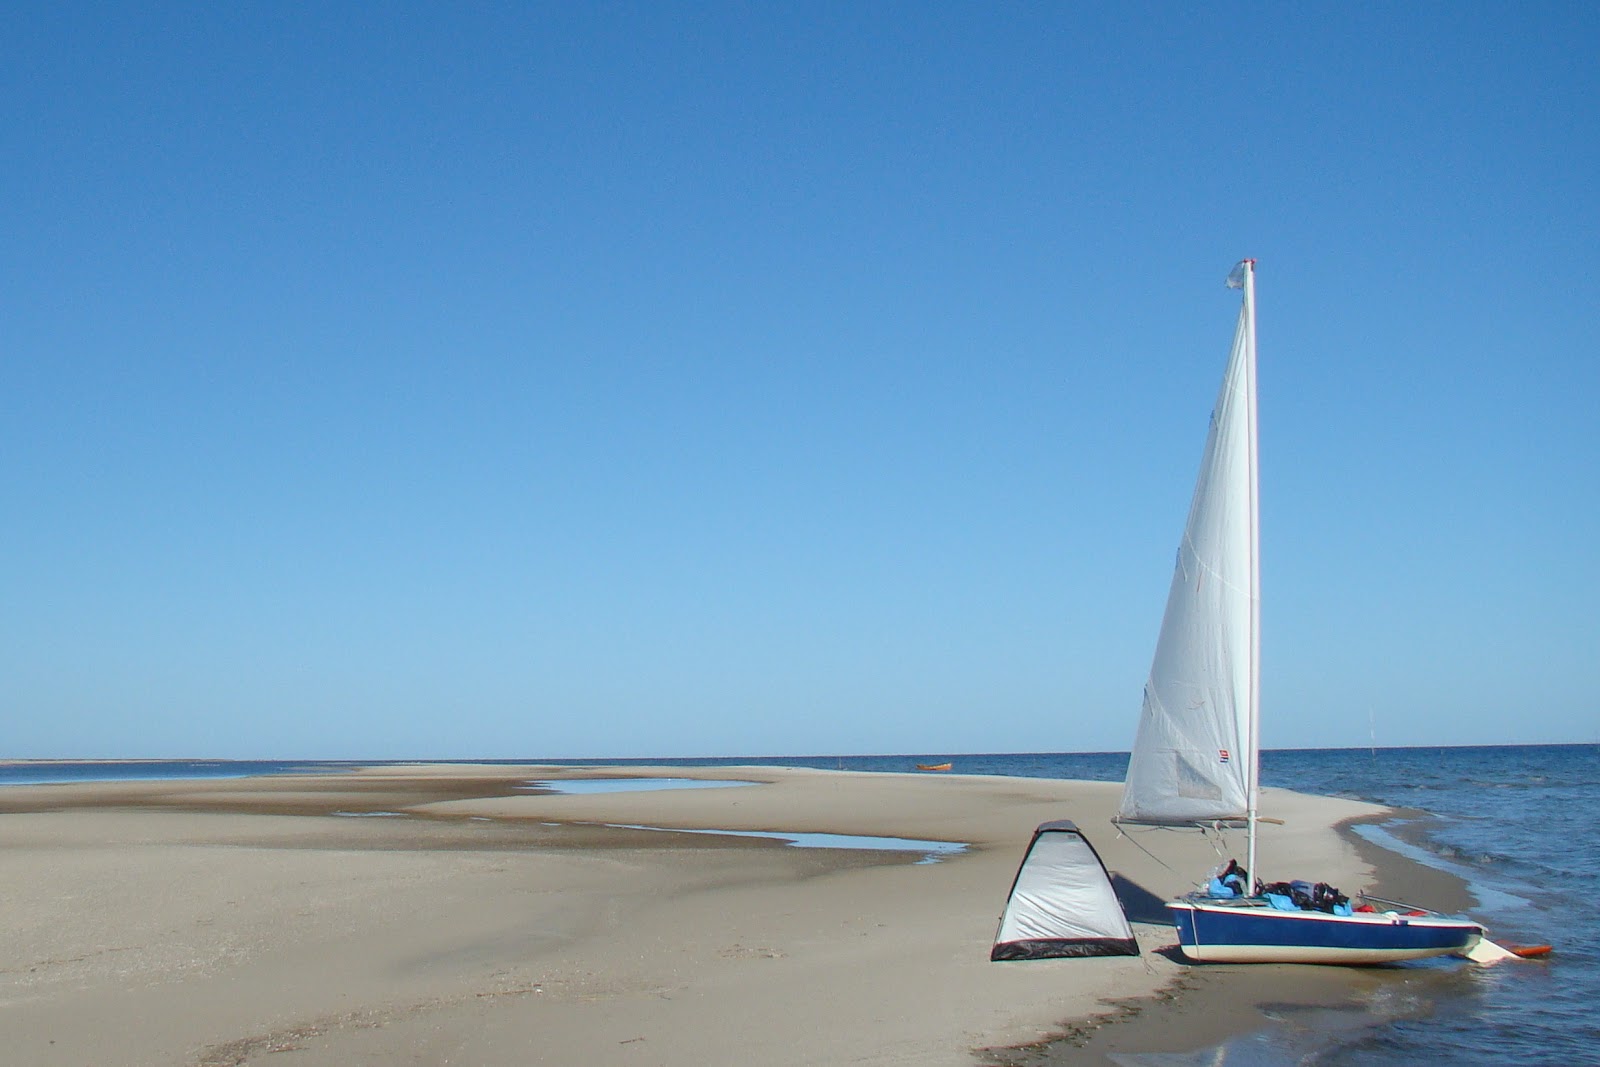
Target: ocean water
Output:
[
  {"x": 1518, "y": 823},
  {"x": 59, "y": 771}
]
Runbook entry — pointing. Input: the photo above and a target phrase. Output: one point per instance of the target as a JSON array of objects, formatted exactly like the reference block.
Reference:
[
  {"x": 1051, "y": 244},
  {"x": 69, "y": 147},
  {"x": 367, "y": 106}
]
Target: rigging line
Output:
[
  {"x": 1215, "y": 833},
  {"x": 1123, "y": 833}
]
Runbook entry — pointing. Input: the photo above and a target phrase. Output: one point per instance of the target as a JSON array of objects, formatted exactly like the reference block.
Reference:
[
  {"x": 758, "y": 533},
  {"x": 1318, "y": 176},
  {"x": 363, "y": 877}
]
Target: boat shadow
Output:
[{"x": 1138, "y": 903}]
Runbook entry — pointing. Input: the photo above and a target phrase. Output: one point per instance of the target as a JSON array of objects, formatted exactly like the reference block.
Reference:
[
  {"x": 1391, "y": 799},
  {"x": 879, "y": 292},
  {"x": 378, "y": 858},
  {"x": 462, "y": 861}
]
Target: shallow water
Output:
[
  {"x": 585, "y": 786},
  {"x": 932, "y": 851}
]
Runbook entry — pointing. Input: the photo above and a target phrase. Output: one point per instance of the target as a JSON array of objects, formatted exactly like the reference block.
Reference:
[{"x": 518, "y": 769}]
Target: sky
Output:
[{"x": 665, "y": 379}]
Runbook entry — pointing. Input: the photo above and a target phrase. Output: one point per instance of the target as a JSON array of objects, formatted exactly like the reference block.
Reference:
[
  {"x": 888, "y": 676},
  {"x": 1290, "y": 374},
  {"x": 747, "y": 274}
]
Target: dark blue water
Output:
[
  {"x": 58, "y": 771},
  {"x": 1517, "y": 822}
]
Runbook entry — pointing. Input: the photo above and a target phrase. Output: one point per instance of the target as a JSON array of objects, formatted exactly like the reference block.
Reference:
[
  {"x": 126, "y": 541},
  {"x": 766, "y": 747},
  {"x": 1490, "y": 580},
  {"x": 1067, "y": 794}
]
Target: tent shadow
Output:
[{"x": 1138, "y": 903}]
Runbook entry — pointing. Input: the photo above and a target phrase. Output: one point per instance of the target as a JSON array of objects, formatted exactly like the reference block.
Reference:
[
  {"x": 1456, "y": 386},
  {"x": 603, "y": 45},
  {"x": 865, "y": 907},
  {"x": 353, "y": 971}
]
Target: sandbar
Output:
[{"x": 485, "y": 921}]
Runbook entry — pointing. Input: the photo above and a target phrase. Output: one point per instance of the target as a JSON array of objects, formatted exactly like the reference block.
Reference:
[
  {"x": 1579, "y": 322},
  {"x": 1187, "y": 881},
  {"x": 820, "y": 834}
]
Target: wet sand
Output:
[{"x": 449, "y": 914}]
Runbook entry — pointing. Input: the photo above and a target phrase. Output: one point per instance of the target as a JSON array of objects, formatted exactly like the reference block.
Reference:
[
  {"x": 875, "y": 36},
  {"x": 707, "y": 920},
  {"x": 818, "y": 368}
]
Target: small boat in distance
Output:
[
  {"x": 1196, "y": 760},
  {"x": 934, "y": 766}
]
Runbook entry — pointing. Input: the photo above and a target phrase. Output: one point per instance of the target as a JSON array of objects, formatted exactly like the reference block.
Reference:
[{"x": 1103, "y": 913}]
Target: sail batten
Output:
[{"x": 1194, "y": 757}]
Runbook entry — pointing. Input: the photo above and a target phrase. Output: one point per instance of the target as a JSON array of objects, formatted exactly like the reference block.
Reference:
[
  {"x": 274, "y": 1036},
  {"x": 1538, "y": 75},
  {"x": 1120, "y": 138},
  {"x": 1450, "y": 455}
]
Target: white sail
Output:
[{"x": 1194, "y": 758}]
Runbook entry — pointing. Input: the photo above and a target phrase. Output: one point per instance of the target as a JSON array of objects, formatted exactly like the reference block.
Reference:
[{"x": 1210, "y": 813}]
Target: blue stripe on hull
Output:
[{"x": 1212, "y": 933}]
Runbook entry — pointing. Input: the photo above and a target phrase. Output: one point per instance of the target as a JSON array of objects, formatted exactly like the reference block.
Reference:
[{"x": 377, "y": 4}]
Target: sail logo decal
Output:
[{"x": 1222, "y": 755}]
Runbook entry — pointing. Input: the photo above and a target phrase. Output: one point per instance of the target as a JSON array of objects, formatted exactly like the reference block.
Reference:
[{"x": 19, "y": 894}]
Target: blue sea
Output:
[{"x": 1518, "y": 823}]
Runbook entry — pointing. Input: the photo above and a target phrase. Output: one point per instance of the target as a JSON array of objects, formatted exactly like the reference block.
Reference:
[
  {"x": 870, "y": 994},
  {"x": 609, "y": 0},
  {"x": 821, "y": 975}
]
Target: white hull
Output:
[{"x": 1306, "y": 954}]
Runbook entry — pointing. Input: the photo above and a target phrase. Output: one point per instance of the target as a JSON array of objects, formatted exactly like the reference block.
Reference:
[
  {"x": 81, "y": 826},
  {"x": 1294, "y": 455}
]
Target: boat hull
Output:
[{"x": 1245, "y": 933}]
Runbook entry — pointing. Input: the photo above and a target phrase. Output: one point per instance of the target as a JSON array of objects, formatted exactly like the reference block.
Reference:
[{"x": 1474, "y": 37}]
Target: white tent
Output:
[{"x": 1062, "y": 903}]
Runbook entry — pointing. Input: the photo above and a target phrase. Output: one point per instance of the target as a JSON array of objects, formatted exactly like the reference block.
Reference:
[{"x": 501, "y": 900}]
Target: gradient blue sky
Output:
[{"x": 542, "y": 380}]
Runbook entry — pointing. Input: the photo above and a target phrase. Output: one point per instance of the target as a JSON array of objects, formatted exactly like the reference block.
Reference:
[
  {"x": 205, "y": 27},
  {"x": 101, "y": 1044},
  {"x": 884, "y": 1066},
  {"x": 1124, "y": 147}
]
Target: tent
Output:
[{"x": 1062, "y": 903}]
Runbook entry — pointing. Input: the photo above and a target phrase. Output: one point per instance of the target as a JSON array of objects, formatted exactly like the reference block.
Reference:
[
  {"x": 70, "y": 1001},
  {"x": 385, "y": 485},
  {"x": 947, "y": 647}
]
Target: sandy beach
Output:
[{"x": 450, "y": 915}]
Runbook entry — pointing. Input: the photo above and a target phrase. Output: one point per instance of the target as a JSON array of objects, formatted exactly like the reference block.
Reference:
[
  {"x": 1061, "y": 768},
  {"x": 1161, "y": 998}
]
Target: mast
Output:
[{"x": 1254, "y": 789}]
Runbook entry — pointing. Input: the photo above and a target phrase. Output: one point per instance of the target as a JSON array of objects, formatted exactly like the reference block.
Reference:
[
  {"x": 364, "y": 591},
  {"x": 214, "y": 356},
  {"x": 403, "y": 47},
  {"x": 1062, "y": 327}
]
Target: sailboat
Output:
[{"x": 1196, "y": 757}]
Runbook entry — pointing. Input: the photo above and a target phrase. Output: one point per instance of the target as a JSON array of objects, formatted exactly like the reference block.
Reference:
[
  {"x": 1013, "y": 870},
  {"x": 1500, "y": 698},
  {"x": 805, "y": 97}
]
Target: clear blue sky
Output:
[{"x": 654, "y": 379}]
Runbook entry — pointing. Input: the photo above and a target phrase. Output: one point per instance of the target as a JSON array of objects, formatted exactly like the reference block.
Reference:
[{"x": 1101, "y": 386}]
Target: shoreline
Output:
[
  {"x": 1209, "y": 1006},
  {"x": 498, "y": 925}
]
